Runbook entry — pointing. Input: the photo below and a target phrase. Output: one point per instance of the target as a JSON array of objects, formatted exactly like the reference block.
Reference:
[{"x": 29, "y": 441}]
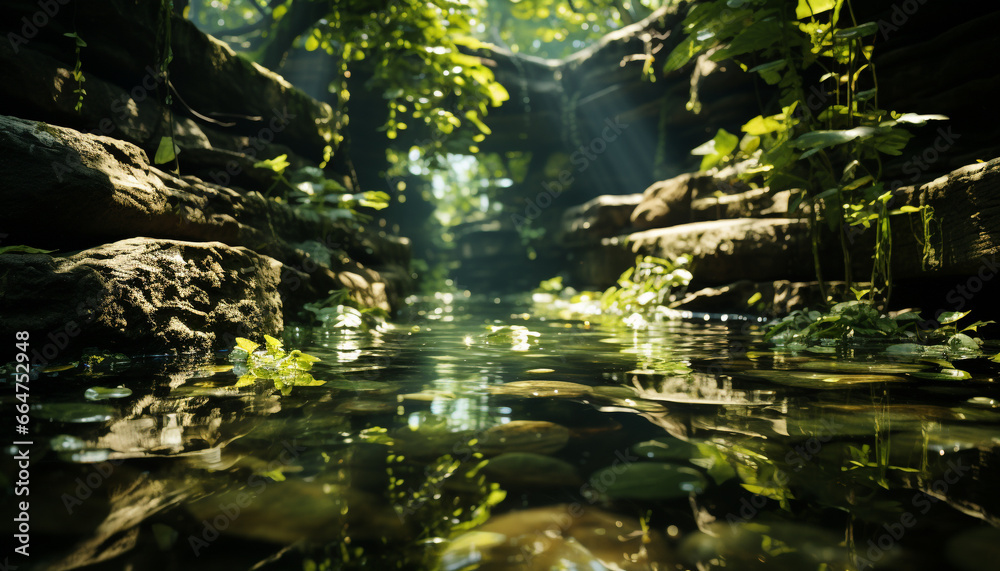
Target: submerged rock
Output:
[
  {"x": 535, "y": 436},
  {"x": 531, "y": 470},
  {"x": 666, "y": 448},
  {"x": 541, "y": 389},
  {"x": 73, "y": 412},
  {"x": 570, "y": 537},
  {"x": 646, "y": 481},
  {"x": 813, "y": 380},
  {"x": 293, "y": 510},
  {"x": 972, "y": 549},
  {"x": 778, "y": 546}
]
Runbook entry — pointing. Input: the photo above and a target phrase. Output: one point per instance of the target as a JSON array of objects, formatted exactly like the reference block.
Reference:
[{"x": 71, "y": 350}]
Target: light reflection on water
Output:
[{"x": 753, "y": 458}]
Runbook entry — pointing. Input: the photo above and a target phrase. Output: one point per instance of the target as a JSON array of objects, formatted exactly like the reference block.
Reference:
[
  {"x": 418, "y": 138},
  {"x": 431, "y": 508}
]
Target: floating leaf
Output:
[
  {"x": 961, "y": 343},
  {"x": 541, "y": 389}
]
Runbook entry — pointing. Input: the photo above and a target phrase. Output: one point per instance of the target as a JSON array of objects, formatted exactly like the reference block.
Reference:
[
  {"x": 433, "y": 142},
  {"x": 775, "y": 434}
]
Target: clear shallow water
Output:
[{"x": 687, "y": 445}]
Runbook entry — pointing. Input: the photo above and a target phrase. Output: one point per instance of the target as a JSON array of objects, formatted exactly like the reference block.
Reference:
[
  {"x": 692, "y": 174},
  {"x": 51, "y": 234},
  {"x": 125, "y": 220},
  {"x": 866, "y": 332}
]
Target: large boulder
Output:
[
  {"x": 601, "y": 217},
  {"x": 140, "y": 293},
  {"x": 209, "y": 81},
  {"x": 70, "y": 190}
]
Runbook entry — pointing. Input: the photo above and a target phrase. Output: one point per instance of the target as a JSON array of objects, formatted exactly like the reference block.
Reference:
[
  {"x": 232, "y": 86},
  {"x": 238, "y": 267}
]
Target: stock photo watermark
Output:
[
  {"x": 30, "y": 26},
  {"x": 581, "y": 159}
]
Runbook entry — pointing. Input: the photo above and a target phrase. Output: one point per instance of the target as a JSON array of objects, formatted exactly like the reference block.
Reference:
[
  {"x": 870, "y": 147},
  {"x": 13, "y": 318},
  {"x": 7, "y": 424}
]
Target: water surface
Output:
[{"x": 481, "y": 433}]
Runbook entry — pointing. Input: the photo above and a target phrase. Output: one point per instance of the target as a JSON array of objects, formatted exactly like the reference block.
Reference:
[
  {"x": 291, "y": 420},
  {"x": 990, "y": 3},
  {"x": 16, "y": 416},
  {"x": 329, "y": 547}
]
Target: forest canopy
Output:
[{"x": 424, "y": 56}]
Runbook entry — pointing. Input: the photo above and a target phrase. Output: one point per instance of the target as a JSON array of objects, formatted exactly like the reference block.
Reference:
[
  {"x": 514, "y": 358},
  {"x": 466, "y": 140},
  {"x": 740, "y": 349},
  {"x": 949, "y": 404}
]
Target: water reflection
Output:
[{"x": 474, "y": 435}]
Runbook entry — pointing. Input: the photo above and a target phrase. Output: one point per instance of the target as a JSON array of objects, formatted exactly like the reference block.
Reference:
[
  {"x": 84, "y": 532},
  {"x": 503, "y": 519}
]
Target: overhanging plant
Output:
[{"x": 827, "y": 139}]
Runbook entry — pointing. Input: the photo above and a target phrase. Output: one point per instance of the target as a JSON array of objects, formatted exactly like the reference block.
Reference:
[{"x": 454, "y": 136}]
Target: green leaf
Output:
[
  {"x": 166, "y": 151},
  {"x": 863, "y": 30},
  {"x": 312, "y": 42},
  {"x": 757, "y": 37},
  {"x": 682, "y": 54},
  {"x": 943, "y": 375},
  {"x": 822, "y": 139},
  {"x": 374, "y": 199},
  {"x": 246, "y": 344},
  {"x": 961, "y": 342},
  {"x": 718, "y": 148},
  {"x": 473, "y": 117},
  {"x": 278, "y": 164},
  {"x": 807, "y": 8},
  {"x": 497, "y": 93},
  {"x": 23, "y": 250},
  {"x": 951, "y": 316},
  {"x": 79, "y": 41},
  {"x": 761, "y": 125},
  {"x": 916, "y": 119},
  {"x": 273, "y": 345},
  {"x": 975, "y": 326}
]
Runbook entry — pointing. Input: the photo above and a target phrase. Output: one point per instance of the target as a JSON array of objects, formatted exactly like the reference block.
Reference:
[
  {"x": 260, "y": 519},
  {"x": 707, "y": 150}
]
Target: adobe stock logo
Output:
[
  {"x": 581, "y": 158},
  {"x": 47, "y": 9}
]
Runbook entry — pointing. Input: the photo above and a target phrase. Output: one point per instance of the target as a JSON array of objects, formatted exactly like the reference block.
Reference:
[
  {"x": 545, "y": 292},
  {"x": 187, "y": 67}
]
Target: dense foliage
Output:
[
  {"x": 430, "y": 62},
  {"x": 828, "y": 135}
]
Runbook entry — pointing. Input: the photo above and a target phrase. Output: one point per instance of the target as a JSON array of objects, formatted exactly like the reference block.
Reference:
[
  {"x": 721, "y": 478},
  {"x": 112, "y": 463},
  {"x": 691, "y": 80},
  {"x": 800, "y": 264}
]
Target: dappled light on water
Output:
[{"x": 471, "y": 434}]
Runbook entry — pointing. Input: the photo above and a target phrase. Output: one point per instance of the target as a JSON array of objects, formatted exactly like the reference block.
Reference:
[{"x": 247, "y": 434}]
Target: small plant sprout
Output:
[{"x": 273, "y": 363}]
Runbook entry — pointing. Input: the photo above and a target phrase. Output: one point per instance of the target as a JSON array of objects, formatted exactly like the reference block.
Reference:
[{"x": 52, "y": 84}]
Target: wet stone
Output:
[
  {"x": 646, "y": 481},
  {"x": 525, "y": 469},
  {"x": 535, "y": 436},
  {"x": 558, "y": 537},
  {"x": 541, "y": 389}
]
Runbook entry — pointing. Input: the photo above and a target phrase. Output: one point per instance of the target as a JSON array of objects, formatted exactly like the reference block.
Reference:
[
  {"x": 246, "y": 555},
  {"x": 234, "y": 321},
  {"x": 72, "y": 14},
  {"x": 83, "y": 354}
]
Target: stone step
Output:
[
  {"x": 68, "y": 190},
  {"x": 602, "y": 217},
  {"x": 725, "y": 251},
  {"x": 755, "y": 203}
]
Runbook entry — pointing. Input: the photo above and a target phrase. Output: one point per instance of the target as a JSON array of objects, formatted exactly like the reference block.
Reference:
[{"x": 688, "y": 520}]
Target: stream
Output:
[{"x": 482, "y": 433}]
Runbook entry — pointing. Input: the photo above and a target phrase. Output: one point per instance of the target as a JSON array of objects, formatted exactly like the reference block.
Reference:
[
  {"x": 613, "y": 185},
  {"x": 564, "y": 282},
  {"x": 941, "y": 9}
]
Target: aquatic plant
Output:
[
  {"x": 519, "y": 337},
  {"x": 273, "y": 363},
  {"x": 861, "y": 320},
  {"x": 415, "y": 491},
  {"x": 647, "y": 289},
  {"x": 650, "y": 284},
  {"x": 340, "y": 311}
]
